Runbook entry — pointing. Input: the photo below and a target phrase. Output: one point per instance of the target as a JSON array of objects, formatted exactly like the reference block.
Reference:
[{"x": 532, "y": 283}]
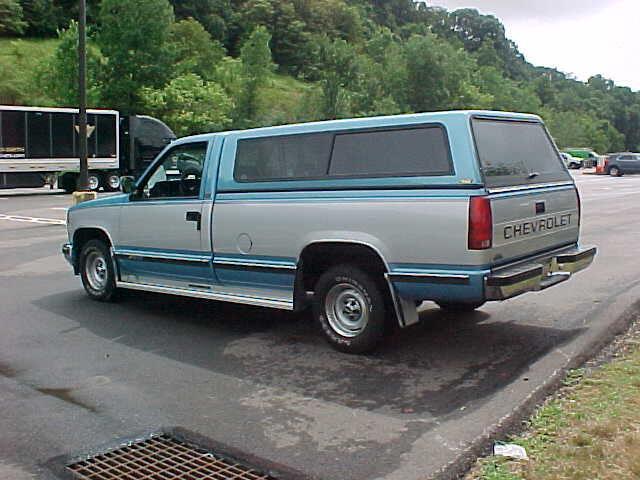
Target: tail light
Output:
[
  {"x": 480, "y": 224},
  {"x": 580, "y": 205}
]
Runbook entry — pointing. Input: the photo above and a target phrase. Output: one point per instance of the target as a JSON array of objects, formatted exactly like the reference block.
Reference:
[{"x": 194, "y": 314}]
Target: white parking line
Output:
[
  {"x": 60, "y": 208},
  {"x": 21, "y": 218}
]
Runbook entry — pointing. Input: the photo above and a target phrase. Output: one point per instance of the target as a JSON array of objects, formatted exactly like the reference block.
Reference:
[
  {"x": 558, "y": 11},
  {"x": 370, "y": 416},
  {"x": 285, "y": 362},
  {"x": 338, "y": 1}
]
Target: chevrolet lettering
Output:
[
  {"x": 360, "y": 220},
  {"x": 537, "y": 226}
]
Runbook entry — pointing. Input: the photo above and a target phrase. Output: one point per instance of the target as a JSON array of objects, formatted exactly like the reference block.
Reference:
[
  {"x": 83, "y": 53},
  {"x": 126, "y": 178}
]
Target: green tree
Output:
[
  {"x": 439, "y": 75},
  {"x": 193, "y": 50},
  {"x": 338, "y": 70},
  {"x": 11, "y": 22},
  {"x": 257, "y": 64},
  {"x": 133, "y": 38},
  {"x": 216, "y": 16},
  {"x": 190, "y": 105},
  {"x": 58, "y": 76},
  {"x": 42, "y": 17},
  {"x": 289, "y": 35}
]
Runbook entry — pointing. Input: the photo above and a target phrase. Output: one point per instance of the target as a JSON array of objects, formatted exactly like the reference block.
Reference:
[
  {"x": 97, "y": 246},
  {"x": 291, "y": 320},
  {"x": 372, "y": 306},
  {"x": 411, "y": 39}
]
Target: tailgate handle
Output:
[{"x": 540, "y": 208}]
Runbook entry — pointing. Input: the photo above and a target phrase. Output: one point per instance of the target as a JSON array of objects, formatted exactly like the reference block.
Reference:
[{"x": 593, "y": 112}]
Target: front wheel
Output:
[
  {"x": 96, "y": 271},
  {"x": 349, "y": 305},
  {"x": 459, "y": 307},
  {"x": 615, "y": 172}
]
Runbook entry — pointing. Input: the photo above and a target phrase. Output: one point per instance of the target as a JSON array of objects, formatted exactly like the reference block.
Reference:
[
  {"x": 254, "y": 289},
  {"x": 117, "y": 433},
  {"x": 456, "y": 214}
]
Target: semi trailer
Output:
[{"x": 39, "y": 146}]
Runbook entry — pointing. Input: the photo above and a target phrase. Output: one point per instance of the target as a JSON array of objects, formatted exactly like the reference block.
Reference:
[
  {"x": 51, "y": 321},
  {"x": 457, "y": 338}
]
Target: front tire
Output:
[
  {"x": 615, "y": 172},
  {"x": 96, "y": 271},
  {"x": 349, "y": 304}
]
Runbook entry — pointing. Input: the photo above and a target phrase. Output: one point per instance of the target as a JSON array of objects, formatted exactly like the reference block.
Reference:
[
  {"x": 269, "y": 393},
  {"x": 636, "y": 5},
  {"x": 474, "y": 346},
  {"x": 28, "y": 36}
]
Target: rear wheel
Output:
[
  {"x": 111, "y": 182},
  {"x": 68, "y": 182},
  {"x": 96, "y": 271},
  {"x": 94, "y": 182},
  {"x": 459, "y": 307},
  {"x": 349, "y": 305}
]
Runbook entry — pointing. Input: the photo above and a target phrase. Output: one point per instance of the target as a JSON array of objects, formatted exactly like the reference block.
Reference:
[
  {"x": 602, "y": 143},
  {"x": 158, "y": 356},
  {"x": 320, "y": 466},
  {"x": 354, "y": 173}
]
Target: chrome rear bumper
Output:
[{"x": 537, "y": 274}]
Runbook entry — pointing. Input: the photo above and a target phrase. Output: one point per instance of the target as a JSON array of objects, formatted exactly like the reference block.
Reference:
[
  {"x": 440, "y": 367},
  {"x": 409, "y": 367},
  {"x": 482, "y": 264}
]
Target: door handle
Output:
[{"x": 194, "y": 217}]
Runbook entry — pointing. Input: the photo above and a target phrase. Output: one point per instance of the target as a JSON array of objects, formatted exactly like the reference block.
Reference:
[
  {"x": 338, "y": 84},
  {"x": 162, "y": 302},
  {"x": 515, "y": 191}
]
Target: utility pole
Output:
[{"x": 83, "y": 178}]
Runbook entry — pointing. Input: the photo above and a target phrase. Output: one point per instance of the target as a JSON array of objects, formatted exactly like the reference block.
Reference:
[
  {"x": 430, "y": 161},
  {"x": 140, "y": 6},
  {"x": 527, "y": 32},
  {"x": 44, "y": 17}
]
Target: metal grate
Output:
[{"x": 160, "y": 458}]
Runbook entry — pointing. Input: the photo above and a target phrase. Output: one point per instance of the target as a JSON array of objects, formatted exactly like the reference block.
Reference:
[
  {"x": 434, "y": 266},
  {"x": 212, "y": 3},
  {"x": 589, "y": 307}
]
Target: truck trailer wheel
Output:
[
  {"x": 96, "y": 271},
  {"x": 95, "y": 182},
  {"x": 111, "y": 182},
  {"x": 349, "y": 305},
  {"x": 68, "y": 182}
]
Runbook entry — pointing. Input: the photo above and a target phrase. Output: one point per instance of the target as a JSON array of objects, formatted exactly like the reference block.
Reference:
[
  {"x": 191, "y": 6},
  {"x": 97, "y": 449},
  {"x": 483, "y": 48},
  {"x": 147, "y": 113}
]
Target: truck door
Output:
[{"x": 164, "y": 234}]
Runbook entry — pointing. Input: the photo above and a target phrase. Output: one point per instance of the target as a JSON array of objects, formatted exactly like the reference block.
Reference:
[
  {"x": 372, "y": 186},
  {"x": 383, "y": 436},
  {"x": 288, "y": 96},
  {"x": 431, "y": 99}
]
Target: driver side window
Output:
[{"x": 178, "y": 174}]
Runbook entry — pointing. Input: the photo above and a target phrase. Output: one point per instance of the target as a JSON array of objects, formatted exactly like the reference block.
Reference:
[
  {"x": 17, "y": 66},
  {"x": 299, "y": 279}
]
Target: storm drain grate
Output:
[{"x": 160, "y": 458}]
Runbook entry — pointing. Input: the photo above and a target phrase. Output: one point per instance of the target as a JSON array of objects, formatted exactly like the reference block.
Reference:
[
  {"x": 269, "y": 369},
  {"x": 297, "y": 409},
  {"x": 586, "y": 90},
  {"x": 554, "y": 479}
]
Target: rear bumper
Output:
[{"x": 538, "y": 273}]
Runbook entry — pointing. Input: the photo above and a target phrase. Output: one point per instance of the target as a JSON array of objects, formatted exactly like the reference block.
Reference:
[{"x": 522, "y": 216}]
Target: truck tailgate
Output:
[{"x": 531, "y": 221}]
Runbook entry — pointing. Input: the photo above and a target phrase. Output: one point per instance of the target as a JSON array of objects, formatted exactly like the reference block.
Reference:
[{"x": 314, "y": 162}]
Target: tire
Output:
[
  {"x": 358, "y": 325},
  {"x": 111, "y": 182},
  {"x": 94, "y": 181},
  {"x": 459, "y": 307},
  {"x": 574, "y": 166},
  {"x": 615, "y": 171},
  {"x": 68, "y": 182},
  {"x": 96, "y": 271}
]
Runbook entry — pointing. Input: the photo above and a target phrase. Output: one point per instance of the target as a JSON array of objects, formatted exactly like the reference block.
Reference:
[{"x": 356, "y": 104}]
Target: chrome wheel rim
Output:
[
  {"x": 346, "y": 310},
  {"x": 114, "y": 182},
  {"x": 94, "y": 182},
  {"x": 614, "y": 172},
  {"x": 96, "y": 270}
]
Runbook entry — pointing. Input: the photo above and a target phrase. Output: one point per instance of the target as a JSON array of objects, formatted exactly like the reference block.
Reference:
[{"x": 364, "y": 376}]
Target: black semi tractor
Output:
[{"x": 39, "y": 146}]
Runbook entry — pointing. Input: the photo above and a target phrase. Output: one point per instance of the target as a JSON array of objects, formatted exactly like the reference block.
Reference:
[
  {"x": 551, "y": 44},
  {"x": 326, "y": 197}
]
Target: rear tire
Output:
[
  {"x": 94, "y": 182},
  {"x": 68, "y": 182},
  {"x": 111, "y": 182},
  {"x": 96, "y": 271},
  {"x": 349, "y": 304},
  {"x": 459, "y": 307}
]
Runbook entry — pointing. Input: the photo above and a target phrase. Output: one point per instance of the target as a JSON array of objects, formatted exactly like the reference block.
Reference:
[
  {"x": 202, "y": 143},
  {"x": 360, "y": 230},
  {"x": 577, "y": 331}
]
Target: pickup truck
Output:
[{"x": 361, "y": 219}]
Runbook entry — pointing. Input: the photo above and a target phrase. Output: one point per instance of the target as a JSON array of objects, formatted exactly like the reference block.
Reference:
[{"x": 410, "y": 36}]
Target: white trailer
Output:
[{"x": 41, "y": 143}]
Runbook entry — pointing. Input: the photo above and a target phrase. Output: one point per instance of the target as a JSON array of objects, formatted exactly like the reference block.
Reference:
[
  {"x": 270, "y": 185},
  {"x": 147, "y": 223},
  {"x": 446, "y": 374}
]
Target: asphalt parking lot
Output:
[{"x": 76, "y": 374}]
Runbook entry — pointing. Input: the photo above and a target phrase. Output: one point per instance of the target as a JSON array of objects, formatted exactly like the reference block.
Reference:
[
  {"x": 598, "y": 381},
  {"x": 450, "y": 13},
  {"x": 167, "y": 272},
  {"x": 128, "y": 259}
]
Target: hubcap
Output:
[
  {"x": 114, "y": 182},
  {"x": 346, "y": 310},
  {"x": 96, "y": 270},
  {"x": 93, "y": 182}
]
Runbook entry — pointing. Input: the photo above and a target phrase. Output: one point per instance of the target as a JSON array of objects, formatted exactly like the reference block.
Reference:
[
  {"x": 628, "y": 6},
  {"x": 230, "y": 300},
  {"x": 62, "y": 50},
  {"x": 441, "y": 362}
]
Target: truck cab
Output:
[{"x": 360, "y": 219}]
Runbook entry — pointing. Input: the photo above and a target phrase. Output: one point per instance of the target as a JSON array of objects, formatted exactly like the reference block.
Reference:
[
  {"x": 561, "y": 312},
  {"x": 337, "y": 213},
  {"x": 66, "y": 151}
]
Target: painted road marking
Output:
[
  {"x": 60, "y": 208},
  {"x": 21, "y": 218}
]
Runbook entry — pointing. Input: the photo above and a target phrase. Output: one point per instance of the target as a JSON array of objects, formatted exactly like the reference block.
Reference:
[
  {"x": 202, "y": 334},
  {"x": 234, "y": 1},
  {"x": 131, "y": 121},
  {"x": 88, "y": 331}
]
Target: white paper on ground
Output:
[{"x": 510, "y": 450}]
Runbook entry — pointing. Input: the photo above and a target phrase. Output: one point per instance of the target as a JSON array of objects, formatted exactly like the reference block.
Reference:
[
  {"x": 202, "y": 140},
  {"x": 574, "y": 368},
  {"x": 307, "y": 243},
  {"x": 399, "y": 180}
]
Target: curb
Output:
[{"x": 513, "y": 422}]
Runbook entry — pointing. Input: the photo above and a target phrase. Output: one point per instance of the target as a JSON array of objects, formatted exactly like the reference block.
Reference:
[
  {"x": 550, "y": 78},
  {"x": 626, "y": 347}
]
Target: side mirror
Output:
[{"x": 128, "y": 184}]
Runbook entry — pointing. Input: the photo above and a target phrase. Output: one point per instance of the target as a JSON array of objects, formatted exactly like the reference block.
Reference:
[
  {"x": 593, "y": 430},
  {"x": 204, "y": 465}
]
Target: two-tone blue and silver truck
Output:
[{"x": 361, "y": 219}]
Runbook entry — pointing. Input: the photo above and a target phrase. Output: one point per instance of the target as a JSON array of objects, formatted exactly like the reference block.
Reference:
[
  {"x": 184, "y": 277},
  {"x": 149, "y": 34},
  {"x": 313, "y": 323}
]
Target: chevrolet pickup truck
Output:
[{"x": 361, "y": 219}]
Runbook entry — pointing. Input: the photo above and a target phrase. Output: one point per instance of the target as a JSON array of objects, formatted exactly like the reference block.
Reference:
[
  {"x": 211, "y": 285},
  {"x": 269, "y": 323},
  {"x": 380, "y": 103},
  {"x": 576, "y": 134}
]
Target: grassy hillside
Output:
[
  {"x": 281, "y": 100},
  {"x": 19, "y": 63}
]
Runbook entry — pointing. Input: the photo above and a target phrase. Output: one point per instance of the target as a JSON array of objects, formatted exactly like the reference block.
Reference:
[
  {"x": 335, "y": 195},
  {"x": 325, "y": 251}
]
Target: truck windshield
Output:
[{"x": 516, "y": 153}]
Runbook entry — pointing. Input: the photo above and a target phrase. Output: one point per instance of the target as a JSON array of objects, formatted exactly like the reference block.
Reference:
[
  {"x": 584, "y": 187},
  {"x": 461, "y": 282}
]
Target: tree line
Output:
[{"x": 201, "y": 64}]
